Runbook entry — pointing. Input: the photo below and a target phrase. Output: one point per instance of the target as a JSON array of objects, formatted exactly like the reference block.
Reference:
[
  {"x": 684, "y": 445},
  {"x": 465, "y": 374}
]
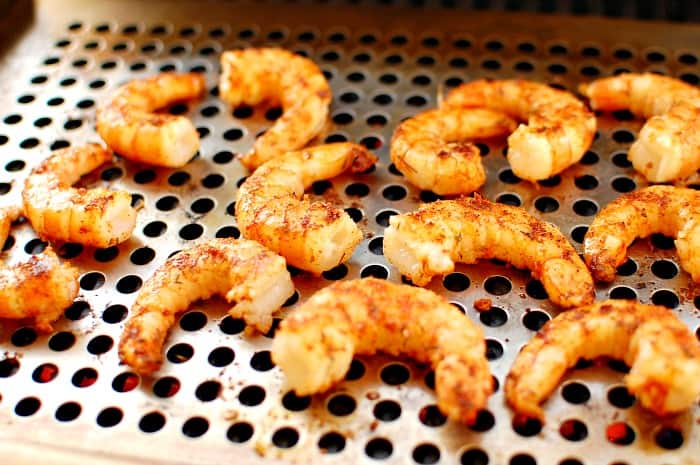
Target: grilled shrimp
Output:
[
  {"x": 283, "y": 78},
  {"x": 314, "y": 236},
  {"x": 95, "y": 217},
  {"x": 315, "y": 344},
  {"x": 41, "y": 288},
  {"x": 668, "y": 146},
  {"x": 128, "y": 125},
  {"x": 559, "y": 127},
  {"x": 429, "y": 151},
  {"x": 242, "y": 271},
  {"x": 429, "y": 241},
  {"x": 672, "y": 211},
  {"x": 664, "y": 356}
]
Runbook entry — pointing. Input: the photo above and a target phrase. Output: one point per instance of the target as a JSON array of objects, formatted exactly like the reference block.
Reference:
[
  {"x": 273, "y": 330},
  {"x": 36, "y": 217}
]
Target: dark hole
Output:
[
  {"x": 666, "y": 298},
  {"x": 295, "y": 403},
  {"x": 573, "y": 430},
  {"x": 129, "y": 284},
  {"x": 23, "y": 337},
  {"x": 193, "y": 321},
  {"x": 474, "y": 457},
  {"x": 586, "y": 182},
  {"x": 68, "y": 411},
  {"x": 494, "y": 317},
  {"x": 620, "y": 433},
  {"x": 78, "y": 310},
  {"x": 379, "y": 448},
  {"x": 251, "y": 396},
  {"x": 664, "y": 269},
  {"x": 535, "y": 319},
  {"x": 394, "y": 193},
  {"x": 167, "y": 386},
  {"x": 375, "y": 271},
  {"x": 585, "y": 208},
  {"x": 357, "y": 189},
  {"x": 100, "y": 344},
  {"x": 620, "y": 397},
  {"x": 221, "y": 356},
  {"x": 497, "y": 285},
  {"x": 394, "y": 374},
  {"x": 376, "y": 246},
  {"x": 61, "y": 341},
  {"x": 526, "y": 426},
  {"x": 27, "y": 406},
  {"x": 342, "y": 405},
  {"x": 230, "y": 325},
  {"x": 623, "y": 292},
  {"x": 546, "y": 204},
  {"x": 180, "y": 353},
  {"x": 484, "y": 421},
  {"x": 456, "y": 282},
  {"x": 125, "y": 382},
  {"x": 191, "y": 231},
  {"x": 356, "y": 371},
  {"x": 576, "y": 393},
  {"x": 494, "y": 349},
  {"x": 152, "y": 422},
  {"x": 336, "y": 273},
  {"x": 509, "y": 199},
  {"x": 286, "y": 437},
  {"x": 507, "y": 176},
  {"x": 85, "y": 377}
]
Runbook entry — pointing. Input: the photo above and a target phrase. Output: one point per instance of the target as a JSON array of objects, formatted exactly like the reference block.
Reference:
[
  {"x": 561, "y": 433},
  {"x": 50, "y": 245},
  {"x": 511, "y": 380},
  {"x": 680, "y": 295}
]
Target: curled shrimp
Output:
[
  {"x": 315, "y": 344},
  {"x": 559, "y": 127},
  {"x": 314, "y": 236},
  {"x": 429, "y": 241},
  {"x": 242, "y": 271},
  {"x": 95, "y": 217},
  {"x": 672, "y": 211},
  {"x": 667, "y": 146},
  {"x": 429, "y": 149},
  {"x": 40, "y": 288},
  {"x": 278, "y": 77},
  {"x": 128, "y": 124},
  {"x": 664, "y": 356}
]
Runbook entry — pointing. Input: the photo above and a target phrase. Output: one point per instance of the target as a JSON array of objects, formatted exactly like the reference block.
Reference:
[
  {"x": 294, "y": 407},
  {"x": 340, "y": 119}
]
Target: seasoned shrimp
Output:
[
  {"x": 128, "y": 125},
  {"x": 40, "y": 289},
  {"x": 95, "y": 217},
  {"x": 429, "y": 241},
  {"x": 429, "y": 149},
  {"x": 668, "y": 146},
  {"x": 559, "y": 127},
  {"x": 315, "y": 344},
  {"x": 242, "y": 271},
  {"x": 278, "y": 77},
  {"x": 314, "y": 236},
  {"x": 672, "y": 211},
  {"x": 664, "y": 356}
]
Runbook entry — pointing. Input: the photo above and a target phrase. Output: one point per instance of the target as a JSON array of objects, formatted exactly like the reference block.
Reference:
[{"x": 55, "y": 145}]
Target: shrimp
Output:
[
  {"x": 315, "y": 344},
  {"x": 283, "y": 78},
  {"x": 559, "y": 127},
  {"x": 95, "y": 217},
  {"x": 664, "y": 356},
  {"x": 428, "y": 150},
  {"x": 673, "y": 211},
  {"x": 668, "y": 145},
  {"x": 314, "y": 236},
  {"x": 128, "y": 125},
  {"x": 429, "y": 241},
  {"x": 242, "y": 271},
  {"x": 41, "y": 288}
]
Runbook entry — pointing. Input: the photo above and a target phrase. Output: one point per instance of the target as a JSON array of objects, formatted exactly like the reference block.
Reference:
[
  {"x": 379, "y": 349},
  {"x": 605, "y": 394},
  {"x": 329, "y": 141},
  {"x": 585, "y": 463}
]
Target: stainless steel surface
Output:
[{"x": 76, "y": 52}]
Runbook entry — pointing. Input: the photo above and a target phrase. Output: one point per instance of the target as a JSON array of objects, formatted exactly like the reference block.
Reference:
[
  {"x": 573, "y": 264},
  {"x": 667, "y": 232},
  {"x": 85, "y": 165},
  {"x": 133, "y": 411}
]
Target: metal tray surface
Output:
[{"x": 218, "y": 398}]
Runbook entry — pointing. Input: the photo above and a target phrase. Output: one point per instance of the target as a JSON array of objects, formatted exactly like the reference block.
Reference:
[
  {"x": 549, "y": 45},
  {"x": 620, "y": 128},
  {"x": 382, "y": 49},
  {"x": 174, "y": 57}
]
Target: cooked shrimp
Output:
[
  {"x": 668, "y": 146},
  {"x": 40, "y": 289},
  {"x": 672, "y": 211},
  {"x": 559, "y": 127},
  {"x": 315, "y": 344},
  {"x": 429, "y": 241},
  {"x": 314, "y": 236},
  {"x": 278, "y": 77},
  {"x": 242, "y": 271},
  {"x": 95, "y": 217},
  {"x": 429, "y": 149},
  {"x": 128, "y": 125},
  {"x": 664, "y": 356}
]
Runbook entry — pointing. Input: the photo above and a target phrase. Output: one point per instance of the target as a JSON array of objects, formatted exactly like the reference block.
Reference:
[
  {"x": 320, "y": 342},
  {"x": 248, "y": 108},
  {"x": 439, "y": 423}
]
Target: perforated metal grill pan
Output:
[{"x": 218, "y": 398}]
